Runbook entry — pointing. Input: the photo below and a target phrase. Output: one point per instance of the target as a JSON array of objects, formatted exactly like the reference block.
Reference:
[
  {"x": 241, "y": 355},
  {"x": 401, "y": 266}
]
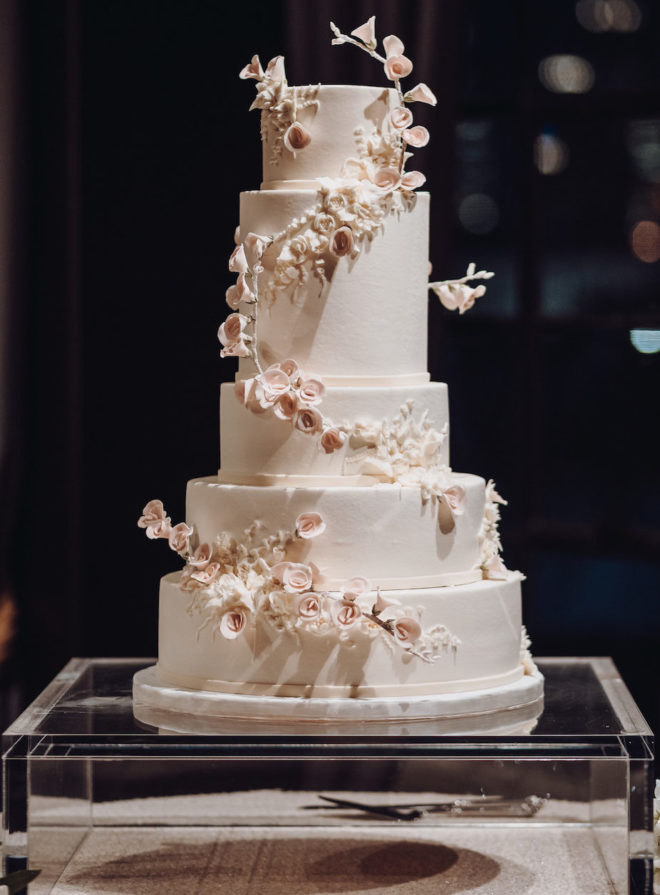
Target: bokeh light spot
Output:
[
  {"x": 478, "y": 213},
  {"x": 646, "y": 341},
  {"x": 645, "y": 241},
  {"x": 566, "y": 74}
]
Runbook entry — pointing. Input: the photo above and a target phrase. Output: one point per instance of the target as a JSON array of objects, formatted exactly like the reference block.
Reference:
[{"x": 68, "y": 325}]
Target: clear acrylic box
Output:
[{"x": 100, "y": 802}]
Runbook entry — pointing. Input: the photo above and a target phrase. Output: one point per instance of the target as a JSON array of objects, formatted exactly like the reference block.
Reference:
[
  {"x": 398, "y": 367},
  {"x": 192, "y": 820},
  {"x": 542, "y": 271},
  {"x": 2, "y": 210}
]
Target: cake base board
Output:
[{"x": 508, "y": 708}]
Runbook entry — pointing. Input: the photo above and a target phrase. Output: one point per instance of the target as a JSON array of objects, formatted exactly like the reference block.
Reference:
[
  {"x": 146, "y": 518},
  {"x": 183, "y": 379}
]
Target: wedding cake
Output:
[{"x": 336, "y": 566}]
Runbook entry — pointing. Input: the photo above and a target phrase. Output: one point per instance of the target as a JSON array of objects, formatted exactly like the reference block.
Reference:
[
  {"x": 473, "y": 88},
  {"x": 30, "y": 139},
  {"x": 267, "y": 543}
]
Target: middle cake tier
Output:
[
  {"x": 260, "y": 448},
  {"x": 385, "y": 533}
]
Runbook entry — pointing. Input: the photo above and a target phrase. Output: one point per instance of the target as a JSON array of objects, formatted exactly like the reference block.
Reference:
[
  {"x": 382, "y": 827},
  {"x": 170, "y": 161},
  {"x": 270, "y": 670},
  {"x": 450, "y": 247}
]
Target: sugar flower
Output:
[
  {"x": 341, "y": 242},
  {"x": 286, "y": 406},
  {"x": 417, "y": 136},
  {"x": 367, "y": 33},
  {"x": 179, "y": 537},
  {"x": 332, "y": 439},
  {"x": 397, "y": 67},
  {"x": 201, "y": 557},
  {"x": 311, "y": 391},
  {"x": 295, "y": 577},
  {"x": 237, "y": 260},
  {"x": 232, "y": 623},
  {"x": 296, "y": 137},
  {"x": 420, "y": 94},
  {"x": 252, "y": 70},
  {"x": 401, "y": 117},
  {"x": 308, "y": 606},
  {"x": 308, "y": 420},
  {"x": 275, "y": 70},
  {"x": 345, "y": 613},
  {"x": 455, "y": 499},
  {"x": 412, "y": 180},
  {"x": 309, "y": 525},
  {"x": 406, "y": 629},
  {"x": 207, "y": 574}
]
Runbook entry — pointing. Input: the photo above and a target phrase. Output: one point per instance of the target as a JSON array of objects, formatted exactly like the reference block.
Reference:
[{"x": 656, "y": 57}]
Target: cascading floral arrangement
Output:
[{"x": 232, "y": 584}]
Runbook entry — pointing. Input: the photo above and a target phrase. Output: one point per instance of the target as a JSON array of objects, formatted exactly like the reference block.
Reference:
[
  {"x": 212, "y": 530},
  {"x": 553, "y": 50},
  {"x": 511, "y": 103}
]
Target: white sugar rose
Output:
[
  {"x": 240, "y": 348},
  {"x": 295, "y": 577},
  {"x": 406, "y": 629},
  {"x": 401, "y": 118},
  {"x": 308, "y": 606},
  {"x": 233, "y": 297},
  {"x": 332, "y": 439},
  {"x": 179, "y": 537},
  {"x": 201, "y": 557},
  {"x": 311, "y": 391},
  {"x": 416, "y": 136},
  {"x": 252, "y": 70},
  {"x": 309, "y": 525},
  {"x": 159, "y": 529},
  {"x": 323, "y": 223},
  {"x": 275, "y": 69},
  {"x": 386, "y": 179},
  {"x": 308, "y": 420},
  {"x": 233, "y": 623},
  {"x": 342, "y": 242},
  {"x": 297, "y": 138},
  {"x": 246, "y": 294},
  {"x": 345, "y": 613},
  {"x": 274, "y": 383}
]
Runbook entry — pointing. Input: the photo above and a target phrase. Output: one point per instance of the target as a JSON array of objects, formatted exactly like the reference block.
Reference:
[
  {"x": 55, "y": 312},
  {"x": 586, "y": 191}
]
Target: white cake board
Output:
[{"x": 512, "y": 708}]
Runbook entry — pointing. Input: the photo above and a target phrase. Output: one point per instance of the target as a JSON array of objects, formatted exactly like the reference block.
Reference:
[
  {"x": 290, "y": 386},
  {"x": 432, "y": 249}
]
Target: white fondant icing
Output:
[
  {"x": 261, "y": 444},
  {"x": 380, "y": 532},
  {"x": 370, "y": 319},
  {"x": 485, "y": 616}
]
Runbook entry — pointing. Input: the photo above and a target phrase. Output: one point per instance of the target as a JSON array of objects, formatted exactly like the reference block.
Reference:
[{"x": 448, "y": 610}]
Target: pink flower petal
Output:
[{"x": 393, "y": 46}]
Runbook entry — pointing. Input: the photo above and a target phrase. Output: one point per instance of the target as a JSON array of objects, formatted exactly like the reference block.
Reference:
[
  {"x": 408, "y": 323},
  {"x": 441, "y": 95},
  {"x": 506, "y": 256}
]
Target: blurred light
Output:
[
  {"x": 478, "y": 213},
  {"x": 550, "y": 154},
  {"x": 643, "y": 141},
  {"x": 645, "y": 241},
  {"x": 624, "y": 16},
  {"x": 646, "y": 341},
  {"x": 566, "y": 74}
]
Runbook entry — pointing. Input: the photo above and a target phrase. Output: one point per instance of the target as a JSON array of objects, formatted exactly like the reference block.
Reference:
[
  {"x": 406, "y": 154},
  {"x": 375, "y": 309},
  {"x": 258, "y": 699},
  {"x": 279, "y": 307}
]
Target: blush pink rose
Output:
[
  {"x": 246, "y": 294},
  {"x": 455, "y": 497},
  {"x": 286, "y": 406},
  {"x": 401, "y": 118},
  {"x": 345, "y": 613},
  {"x": 207, "y": 574},
  {"x": 252, "y": 70},
  {"x": 412, "y": 180},
  {"x": 232, "y": 329},
  {"x": 386, "y": 179},
  {"x": 367, "y": 33},
  {"x": 416, "y": 136},
  {"x": 290, "y": 367},
  {"x": 311, "y": 391},
  {"x": 238, "y": 261},
  {"x": 233, "y": 297},
  {"x": 308, "y": 606},
  {"x": 152, "y": 513},
  {"x": 397, "y": 67},
  {"x": 341, "y": 242},
  {"x": 255, "y": 246},
  {"x": 232, "y": 623},
  {"x": 159, "y": 529},
  {"x": 309, "y": 525},
  {"x": 420, "y": 94},
  {"x": 332, "y": 439},
  {"x": 201, "y": 557},
  {"x": 296, "y": 137},
  {"x": 239, "y": 348},
  {"x": 406, "y": 630},
  {"x": 308, "y": 420},
  {"x": 274, "y": 383},
  {"x": 295, "y": 577},
  {"x": 179, "y": 537}
]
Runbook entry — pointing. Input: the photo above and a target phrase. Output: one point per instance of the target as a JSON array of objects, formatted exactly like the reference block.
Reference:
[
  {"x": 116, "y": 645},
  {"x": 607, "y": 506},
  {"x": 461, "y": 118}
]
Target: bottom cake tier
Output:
[{"x": 475, "y": 630}]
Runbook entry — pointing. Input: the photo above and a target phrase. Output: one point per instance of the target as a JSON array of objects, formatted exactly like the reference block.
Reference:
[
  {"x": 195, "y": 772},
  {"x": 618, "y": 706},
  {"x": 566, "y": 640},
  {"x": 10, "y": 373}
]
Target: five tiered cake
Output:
[{"x": 336, "y": 566}]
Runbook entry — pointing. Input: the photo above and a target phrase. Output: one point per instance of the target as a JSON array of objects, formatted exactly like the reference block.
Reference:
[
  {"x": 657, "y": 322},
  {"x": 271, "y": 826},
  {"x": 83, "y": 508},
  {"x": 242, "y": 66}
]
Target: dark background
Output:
[{"x": 126, "y": 140}]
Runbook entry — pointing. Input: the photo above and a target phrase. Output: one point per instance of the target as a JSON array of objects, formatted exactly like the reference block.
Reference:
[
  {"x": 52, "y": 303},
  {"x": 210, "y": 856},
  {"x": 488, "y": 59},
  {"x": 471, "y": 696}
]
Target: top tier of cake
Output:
[{"x": 331, "y": 115}]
